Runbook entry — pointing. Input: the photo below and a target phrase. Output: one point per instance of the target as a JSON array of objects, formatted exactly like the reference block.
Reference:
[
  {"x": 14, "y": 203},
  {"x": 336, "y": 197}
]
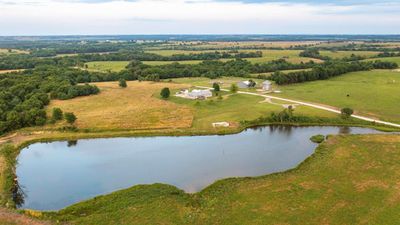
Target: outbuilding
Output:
[{"x": 267, "y": 85}]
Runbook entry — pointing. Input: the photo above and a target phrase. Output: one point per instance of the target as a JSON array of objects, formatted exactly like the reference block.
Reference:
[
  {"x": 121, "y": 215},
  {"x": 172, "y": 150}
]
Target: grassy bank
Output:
[{"x": 349, "y": 180}]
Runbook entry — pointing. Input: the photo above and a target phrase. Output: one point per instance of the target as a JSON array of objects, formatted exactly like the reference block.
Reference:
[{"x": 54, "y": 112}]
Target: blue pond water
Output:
[{"x": 57, "y": 174}]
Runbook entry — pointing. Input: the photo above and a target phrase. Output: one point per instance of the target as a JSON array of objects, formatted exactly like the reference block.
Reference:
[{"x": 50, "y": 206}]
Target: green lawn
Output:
[
  {"x": 105, "y": 66},
  {"x": 234, "y": 108},
  {"x": 352, "y": 179},
  {"x": 371, "y": 93}
]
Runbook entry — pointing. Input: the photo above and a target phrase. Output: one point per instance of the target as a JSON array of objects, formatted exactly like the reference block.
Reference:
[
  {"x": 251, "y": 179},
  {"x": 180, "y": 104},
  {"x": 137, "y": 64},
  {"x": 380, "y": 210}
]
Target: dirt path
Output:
[{"x": 313, "y": 105}]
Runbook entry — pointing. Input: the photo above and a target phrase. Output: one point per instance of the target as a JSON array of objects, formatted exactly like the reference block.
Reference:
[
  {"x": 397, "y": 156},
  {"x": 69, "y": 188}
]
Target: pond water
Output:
[{"x": 57, "y": 174}]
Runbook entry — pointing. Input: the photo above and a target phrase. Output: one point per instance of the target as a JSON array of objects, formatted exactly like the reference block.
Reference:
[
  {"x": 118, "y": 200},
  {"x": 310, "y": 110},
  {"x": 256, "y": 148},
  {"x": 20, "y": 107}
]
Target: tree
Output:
[
  {"x": 234, "y": 88},
  {"x": 165, "y": 92},
  {"x": 346, "y": 113},
  {"x": 216, "y": 87},
  {"x": 57, "y": 114},
  {"x": 122, "y": 83},
  {"x": 70, "y": 117}
]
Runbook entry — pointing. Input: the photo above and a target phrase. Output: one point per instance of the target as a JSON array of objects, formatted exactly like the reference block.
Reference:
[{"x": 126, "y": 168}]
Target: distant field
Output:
[
  {"x": 350, "y": 179},
  {"x": 371, "y": 93},
  {"x": 282, "y": 71},
  {"x": 342, "y": 54},
  {"x": 158, "y": 63},
  {"x": 387, "y": 59},
  {"x": 105, "y": 66},
  {"x": 254, "y": 44},
  {"x": 268, "y": 55},
  {"x": 13, "y": 51},
  {"x": 133, "y": 107}
]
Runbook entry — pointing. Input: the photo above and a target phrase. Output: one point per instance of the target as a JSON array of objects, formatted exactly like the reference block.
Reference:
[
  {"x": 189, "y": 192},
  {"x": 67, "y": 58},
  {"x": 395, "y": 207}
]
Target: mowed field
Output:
[
  {"x": 105, "y": 66},
  {"x": 371, "y": 93},
  {"x": 350, "y": 179},
  {"x": 133, "y": 107}
]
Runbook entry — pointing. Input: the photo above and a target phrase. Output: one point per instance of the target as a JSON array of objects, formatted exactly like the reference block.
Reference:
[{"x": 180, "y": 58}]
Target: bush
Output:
[
  {"x": 317, "y": 138},
  {"x": 165, "y": 93},
  {"x": 57, "y": 114},
  {"x": 346, "y": 113},
  {"x": 216, "y": 87},
  {"x": 234, "y": 88},
  {"x": 122, "y": 83},
  {"x": 70, "y": 117}
]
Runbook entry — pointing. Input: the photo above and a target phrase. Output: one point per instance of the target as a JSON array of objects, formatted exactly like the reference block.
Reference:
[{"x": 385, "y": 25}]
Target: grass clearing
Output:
[
  {"x": 371, "y": 93},
  {"x": 106, "y": 66},
  {"x": 133, "y": 107},
  {"x": 386, "y": 59},
  {"x": 351, "y": 179},
  {"x": 159, "y": 63},
  {"x": 11, "y": 71}
]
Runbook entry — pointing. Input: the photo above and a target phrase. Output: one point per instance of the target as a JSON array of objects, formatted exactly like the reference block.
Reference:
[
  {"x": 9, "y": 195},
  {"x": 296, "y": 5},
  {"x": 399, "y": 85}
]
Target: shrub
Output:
[
  {"x": 70, "y": 117},
  {"x": 165, "y": 93},
  {"x": 216, "y": 87},
  {"x": 57, "y": 114},
  {"x": 346, "y": 113},
  {"x": 317, "y": 138},
  {"x": 234, "y": 88},
  {"x": 122, "y": 83}
]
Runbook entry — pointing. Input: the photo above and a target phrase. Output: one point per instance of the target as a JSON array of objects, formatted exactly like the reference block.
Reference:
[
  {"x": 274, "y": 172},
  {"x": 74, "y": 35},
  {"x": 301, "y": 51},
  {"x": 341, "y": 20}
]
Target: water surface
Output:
[{"x": 57, "y": 174}]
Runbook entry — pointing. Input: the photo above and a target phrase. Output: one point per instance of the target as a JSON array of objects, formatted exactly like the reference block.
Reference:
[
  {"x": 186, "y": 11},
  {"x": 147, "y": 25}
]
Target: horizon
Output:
[{"x": 194, "y": 17}]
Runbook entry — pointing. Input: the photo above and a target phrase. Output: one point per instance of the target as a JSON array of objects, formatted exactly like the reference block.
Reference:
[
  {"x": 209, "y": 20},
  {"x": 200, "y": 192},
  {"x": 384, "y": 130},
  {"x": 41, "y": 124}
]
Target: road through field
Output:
[{"x": 317, "y": 106}]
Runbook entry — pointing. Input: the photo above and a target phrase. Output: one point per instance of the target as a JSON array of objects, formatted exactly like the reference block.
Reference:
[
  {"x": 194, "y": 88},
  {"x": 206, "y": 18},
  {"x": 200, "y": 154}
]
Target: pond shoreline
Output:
[{"x": 11, "y": 158}]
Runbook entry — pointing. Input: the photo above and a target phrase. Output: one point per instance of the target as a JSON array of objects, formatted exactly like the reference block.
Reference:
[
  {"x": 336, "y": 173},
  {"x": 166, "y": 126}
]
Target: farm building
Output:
[
  {"x": 267, "y": 85},
  {"x": 246, "y": 84},
  {"x": 195, "y": 94}
]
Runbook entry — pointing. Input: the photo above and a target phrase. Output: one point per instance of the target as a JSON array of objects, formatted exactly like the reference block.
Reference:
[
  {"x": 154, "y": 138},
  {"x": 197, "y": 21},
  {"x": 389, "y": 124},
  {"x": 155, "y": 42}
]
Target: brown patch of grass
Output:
[
  {"x": 12, "y": 218},
  {"x": 133, "y": 107}
]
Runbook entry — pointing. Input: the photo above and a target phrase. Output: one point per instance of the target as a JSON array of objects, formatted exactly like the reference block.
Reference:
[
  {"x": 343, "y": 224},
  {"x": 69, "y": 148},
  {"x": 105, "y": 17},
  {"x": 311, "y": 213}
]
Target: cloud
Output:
[{"x": 197, "y": 17}]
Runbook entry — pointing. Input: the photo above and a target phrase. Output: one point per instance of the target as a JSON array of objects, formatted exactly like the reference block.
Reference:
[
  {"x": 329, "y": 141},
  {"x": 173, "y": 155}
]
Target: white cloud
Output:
[{"x": 26, "y": 17}]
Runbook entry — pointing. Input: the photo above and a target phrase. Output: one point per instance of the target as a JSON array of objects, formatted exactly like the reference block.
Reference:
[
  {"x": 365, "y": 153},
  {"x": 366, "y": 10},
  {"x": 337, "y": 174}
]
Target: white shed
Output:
[{"x": 267, "y": 85}]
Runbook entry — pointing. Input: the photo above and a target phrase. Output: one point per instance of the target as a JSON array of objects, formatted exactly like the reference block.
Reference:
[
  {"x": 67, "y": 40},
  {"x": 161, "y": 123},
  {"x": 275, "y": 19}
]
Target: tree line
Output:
[
  {"x": 327, "y": 70},
  {"x": 24, "y": 95}
]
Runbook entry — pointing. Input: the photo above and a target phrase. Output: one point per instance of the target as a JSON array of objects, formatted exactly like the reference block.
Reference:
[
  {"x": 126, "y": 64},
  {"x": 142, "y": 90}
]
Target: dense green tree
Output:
[
  {"x": 165, "y": 93},
  {"x": 70, "y": 117},
  {"x": 216, "y": 87},
  {"x": 122, "y": 83},
  {"x": 57, "y": 114},
  {"x": 346, "y": 113}
]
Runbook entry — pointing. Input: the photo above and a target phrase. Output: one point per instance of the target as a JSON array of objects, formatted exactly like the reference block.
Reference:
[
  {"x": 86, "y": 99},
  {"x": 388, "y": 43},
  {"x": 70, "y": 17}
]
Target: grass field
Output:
[
  {"x": 139, "y": 107},
  {"x": 13, "y": 51},
  {"x": 387, "y": 59},
  {"x": 133, "y": 107},
  {"x": 105, "y": 66},
  {"x": 371, "y": 93},
  {"x": 348, "y": 180},
  {"x": 158, "y": 63},
  {"x": 342, "y": 54}
]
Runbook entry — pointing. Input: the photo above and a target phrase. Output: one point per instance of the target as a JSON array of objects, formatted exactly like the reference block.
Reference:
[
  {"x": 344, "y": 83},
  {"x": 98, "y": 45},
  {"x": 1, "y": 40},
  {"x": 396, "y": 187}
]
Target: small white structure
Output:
[
  {"x": 267, "y": 85},
  {"x": 220, "y": 124},
  {"x": 195, "y": 94},
  {"x": 245, "y": 84}
]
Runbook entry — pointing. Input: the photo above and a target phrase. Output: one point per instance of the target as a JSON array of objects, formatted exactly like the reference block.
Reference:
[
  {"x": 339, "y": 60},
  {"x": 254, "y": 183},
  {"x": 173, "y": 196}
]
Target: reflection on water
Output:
[{"x": 56, "y": 174}]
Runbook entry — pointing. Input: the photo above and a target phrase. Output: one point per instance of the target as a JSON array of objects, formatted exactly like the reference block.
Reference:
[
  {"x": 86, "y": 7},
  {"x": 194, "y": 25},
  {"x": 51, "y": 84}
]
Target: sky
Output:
[{"x": 96, "y": 17}]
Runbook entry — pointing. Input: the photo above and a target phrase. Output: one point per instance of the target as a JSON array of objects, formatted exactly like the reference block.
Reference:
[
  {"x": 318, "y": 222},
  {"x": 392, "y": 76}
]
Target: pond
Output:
[{"x": 57, "y": 174}]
